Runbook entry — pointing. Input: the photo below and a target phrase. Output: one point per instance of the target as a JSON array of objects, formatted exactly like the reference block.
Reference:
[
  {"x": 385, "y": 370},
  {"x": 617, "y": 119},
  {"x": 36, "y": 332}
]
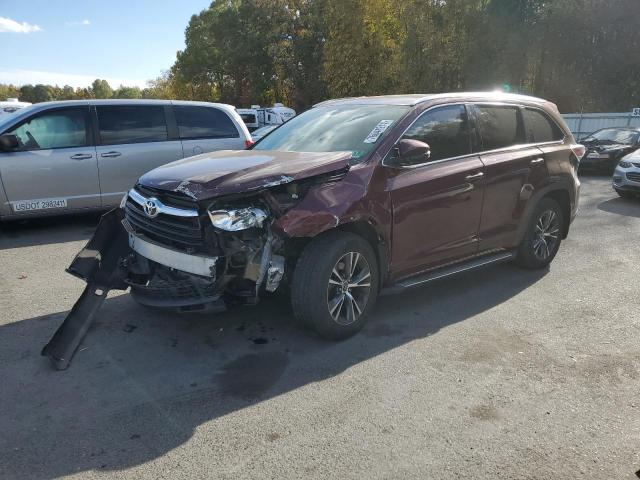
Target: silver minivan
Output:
[{"x": 72, "y": 156}]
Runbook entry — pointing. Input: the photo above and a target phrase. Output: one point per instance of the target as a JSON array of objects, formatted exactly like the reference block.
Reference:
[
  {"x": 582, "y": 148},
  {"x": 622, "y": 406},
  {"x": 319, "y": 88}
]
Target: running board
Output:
[{"x": 443, "y": 272}]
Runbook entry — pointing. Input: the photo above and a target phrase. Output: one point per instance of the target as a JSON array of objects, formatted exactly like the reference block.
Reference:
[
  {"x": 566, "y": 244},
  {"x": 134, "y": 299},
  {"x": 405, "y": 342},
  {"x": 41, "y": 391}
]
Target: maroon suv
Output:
[{"x": 353, "y": 198}]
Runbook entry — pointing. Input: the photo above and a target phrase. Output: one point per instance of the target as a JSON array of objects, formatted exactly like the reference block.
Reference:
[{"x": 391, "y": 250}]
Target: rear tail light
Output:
[
  {"x": 579, "y": 150},
  {"x": 248, "y": 143}
]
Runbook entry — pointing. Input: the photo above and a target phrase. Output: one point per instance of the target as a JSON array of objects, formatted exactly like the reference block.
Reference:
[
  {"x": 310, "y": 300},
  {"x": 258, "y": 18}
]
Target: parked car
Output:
[
  {"x": 626, "y": 177},
  {"x": 606, "y": 147},
  {"x": 62, "y": 157},
  {"x": 353, "y": 198},
  {"x": 262, "y": 131}
]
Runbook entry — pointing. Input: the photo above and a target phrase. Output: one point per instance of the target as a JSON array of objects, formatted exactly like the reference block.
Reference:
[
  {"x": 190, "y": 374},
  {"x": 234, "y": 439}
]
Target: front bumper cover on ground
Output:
[{"x": 99, "y": 263}]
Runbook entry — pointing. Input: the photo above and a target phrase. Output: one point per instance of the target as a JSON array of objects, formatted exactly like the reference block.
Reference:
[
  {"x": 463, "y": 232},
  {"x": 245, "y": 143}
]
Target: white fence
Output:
[{"x": 582, "y": 124}]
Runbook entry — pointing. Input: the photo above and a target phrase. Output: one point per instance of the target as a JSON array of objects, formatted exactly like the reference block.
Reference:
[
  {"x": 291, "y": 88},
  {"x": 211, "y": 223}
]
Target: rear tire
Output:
[
  {"x": 335, "y": 285},
  {"x": 543, "y": 236}
]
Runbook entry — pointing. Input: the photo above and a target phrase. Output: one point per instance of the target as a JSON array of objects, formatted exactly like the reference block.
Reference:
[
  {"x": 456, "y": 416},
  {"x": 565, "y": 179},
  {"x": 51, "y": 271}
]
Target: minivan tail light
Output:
[
  {"x": 248, "y": 143},
  {"x": 579, "y": 150}
]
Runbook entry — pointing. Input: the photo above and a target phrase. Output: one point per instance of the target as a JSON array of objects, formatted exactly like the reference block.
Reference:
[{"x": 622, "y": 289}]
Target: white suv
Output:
[{"x": 626, "y": 177}]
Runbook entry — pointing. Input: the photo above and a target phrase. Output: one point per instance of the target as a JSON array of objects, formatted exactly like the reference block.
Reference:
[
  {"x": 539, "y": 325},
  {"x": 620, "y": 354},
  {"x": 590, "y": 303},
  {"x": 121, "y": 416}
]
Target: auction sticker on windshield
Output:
[
  {"x": 43, "y": 204},
  {"x": 377, "y": 131}
]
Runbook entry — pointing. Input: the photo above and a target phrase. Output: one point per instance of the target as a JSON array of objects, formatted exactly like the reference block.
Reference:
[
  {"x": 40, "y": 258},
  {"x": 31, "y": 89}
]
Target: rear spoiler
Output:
[{"x": 100, "y": 264}]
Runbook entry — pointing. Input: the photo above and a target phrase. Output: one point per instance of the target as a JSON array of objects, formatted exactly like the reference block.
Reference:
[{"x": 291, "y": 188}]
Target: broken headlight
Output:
[{"x": 238, "y": 219}]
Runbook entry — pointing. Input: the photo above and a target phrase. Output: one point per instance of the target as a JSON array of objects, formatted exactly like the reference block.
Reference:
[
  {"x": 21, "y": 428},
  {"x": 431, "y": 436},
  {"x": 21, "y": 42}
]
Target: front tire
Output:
[
  {"x": 335, "y": 284},
  {"x": 544, "y": 234}
]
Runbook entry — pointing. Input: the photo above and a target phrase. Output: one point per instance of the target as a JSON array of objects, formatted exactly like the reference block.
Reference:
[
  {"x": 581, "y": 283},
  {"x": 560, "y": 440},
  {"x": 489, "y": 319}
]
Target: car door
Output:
[
  {"x": 54, "y": 168},
  {"x": 514, "y": 168},
  {"x": 132, "y": 139},
  {"x": 436, "y": 202},
  {"x": 206, "y": 129}
]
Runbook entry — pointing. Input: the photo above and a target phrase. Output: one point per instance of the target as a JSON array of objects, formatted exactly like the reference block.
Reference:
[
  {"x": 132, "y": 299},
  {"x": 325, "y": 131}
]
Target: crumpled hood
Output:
[
  {"x": 606, "y": 147},
  {"x": 235, "y": 171}
]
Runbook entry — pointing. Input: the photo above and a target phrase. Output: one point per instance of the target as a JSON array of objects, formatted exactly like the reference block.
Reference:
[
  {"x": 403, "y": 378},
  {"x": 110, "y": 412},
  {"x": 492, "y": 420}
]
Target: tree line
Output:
[
  {"x": 581, "y": 54},
  {"x": 99, "y": 89}
]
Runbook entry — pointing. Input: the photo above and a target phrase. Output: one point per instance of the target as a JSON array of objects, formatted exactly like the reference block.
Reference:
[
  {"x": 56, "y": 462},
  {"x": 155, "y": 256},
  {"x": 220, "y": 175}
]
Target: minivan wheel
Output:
[
  {"x": 544, "y": 234},
  {"x": 335, "y": 284}
]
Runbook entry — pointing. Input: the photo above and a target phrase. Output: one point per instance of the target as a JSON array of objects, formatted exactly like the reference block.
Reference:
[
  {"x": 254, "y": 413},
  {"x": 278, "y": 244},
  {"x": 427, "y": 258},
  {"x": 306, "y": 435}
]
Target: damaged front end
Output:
[{"x": 176, "y": 252}]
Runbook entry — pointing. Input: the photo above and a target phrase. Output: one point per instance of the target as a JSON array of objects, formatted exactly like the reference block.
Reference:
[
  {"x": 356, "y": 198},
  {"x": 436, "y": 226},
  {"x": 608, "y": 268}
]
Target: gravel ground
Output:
[{"x": 501, "y": 373}]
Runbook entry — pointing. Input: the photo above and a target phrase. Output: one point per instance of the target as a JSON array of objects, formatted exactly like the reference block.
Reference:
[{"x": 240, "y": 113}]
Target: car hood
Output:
[
  {"x": 607, "y": 147},
  {"x": 235, "y": 171}
]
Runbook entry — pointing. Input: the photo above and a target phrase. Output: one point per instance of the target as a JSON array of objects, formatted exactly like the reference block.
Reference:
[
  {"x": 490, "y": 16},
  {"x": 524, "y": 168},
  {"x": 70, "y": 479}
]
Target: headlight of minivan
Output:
[
  {"x": 238, "y": 219},
  {"x": 624, "y": 164}
]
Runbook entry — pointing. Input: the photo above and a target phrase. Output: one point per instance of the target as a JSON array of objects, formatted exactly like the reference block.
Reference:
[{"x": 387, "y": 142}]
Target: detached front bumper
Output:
[
  {"x": 117, "y": 257},
  {"x": 99, "y": 263}
]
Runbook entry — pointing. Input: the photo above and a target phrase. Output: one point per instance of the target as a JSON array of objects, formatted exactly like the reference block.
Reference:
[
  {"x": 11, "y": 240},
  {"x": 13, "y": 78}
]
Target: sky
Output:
[{"x": 68, "y": 42}]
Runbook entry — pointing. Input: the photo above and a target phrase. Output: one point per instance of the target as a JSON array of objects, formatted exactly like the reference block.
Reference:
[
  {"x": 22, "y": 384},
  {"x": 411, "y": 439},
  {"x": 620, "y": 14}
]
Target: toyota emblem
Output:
[{"x": 151, "y": 208}]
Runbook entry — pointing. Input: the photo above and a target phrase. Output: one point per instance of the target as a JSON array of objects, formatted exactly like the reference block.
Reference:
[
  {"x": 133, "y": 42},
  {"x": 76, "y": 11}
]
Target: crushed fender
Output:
[{"x": 98, "y": 263}]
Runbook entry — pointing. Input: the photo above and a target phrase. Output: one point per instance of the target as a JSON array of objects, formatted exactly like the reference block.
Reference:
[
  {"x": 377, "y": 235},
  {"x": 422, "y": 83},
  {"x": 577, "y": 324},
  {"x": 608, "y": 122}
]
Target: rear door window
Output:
[
  {"x": 64, "y": 128},
  {"x": 500, "y": 126},
  {"x": 204, "y": 122},
  {"x": 131, "y": 124},
  {"x": 540, "y": 128},
  {"x": 445, "y": 130}
]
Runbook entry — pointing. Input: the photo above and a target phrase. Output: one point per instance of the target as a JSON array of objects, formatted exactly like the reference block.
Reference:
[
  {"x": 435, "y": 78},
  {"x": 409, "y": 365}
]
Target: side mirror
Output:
[
  {"x": 8, "y": 142},
  {"x": 413, "y": 151}
]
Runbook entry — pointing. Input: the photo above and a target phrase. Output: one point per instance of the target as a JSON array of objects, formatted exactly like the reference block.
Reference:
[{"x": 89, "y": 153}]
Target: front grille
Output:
[
  {"x": 184, "y": 233},
  {"x": 633, "y": 176}
]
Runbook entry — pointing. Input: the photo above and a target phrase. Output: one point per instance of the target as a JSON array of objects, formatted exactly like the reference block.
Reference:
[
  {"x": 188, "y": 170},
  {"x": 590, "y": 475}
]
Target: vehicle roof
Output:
[
  {"x": 125, "y": 101},
  {"x": 415, "y": 99}
]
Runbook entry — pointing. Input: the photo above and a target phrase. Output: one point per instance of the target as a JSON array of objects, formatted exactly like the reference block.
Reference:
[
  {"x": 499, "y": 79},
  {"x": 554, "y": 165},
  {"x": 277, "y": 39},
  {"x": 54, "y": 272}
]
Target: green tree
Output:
[
  {"x": 127, "y": 92},
  {"x": 101, "y": 89}
]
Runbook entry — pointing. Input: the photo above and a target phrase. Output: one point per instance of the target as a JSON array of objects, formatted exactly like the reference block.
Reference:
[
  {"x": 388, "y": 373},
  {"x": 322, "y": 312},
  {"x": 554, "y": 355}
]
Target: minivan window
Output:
[
  {"x": 131, "y": 124},
  {"x": 354, "y": 128},
  {"x": 445, "y": 130},
  {"x": 65, "y": 128},
  {"x": 500, "y": 126},
  {"x": 204, "y": 122},
  {"x": 540, "y": 129}
]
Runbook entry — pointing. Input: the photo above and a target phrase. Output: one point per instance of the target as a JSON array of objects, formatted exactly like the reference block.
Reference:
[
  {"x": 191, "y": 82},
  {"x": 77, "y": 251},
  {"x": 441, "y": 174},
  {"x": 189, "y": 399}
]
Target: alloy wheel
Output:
[
  {"x": 546, "y": 234},
  {"x": 349, "y": 288}
]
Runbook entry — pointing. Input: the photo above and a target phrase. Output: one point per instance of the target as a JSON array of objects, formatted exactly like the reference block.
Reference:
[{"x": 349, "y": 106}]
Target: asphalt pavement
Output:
[{"x": 502, "y": 373}]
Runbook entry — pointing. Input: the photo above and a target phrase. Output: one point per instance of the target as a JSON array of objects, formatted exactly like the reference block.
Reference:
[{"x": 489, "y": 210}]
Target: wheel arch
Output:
[
  {"x": 556, "y": 191},
  {"x": 562, "y": 197}
]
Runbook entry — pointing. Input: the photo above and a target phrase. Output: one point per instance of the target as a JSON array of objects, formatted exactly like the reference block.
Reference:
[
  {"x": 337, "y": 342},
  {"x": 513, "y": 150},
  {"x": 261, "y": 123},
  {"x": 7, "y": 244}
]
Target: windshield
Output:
[
  {"x": 353, "y": 128},
  {"x": 614, "y": 135}
]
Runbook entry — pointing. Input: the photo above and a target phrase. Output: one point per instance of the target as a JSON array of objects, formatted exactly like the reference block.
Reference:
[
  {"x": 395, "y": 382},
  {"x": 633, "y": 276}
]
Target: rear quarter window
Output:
[
  {"x": 499, "y": 126},
  {"x": 540, "y": 128},
  {"x": 131, "y": 124},
  {"x": 204, "y": 122}
]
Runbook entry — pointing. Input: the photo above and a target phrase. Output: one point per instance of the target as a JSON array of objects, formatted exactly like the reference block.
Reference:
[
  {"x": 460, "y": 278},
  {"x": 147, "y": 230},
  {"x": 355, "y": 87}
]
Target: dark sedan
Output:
[{"x": 606, "y": 147}]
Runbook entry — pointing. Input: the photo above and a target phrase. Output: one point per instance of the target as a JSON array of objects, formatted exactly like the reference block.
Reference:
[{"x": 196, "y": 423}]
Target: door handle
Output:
[
  {"x": 537, "y": 161},
  {"x": 475, "y": 176},
  {"x": 111, "y": 154},
  {"x": 81, "y": 156}
]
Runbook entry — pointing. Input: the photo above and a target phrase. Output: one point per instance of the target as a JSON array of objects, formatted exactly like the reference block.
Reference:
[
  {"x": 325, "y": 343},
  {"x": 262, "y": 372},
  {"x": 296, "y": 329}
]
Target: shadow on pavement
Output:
[
  {"x": 48, "y": 230},
  {"x": 629, "y": 207},
  {"x": 143, "y": 381}
]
